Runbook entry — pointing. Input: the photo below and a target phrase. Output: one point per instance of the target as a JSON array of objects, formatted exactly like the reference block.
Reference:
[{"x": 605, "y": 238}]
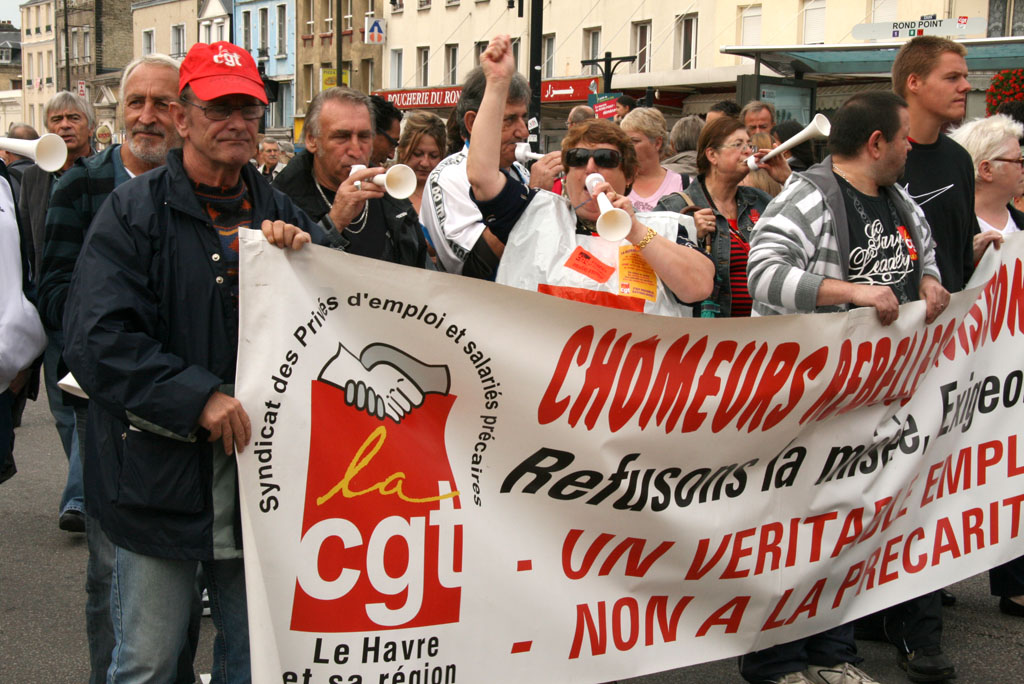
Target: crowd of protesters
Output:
[{"x": 105, "y": 258}]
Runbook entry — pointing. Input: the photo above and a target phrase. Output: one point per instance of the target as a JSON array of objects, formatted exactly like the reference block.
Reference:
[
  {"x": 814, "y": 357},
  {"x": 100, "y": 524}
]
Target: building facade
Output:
[
  {"x": 675, "y": 48},
  {"x": 10, "y": 56},
  {"x": 94, "y": 42},
  {"x": 10, "y": 109},
  {"x": 317, "y": 50},
  {"x": 215, "y": 21},
  {"x": 266, "y": 28},
  {"x": 38, "y": 64},
  {"x": 169, "y": 27}
]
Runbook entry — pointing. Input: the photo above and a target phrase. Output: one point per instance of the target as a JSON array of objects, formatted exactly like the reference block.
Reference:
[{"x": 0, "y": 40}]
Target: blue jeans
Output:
[
  {"x": 72, "y": 498},
  {"x": 150, "y": 604},
  {"x": 99, "y": 630}
]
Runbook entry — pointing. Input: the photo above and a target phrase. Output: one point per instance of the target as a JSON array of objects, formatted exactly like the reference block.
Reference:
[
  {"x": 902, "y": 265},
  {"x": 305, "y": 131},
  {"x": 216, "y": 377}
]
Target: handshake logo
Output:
[
  {"x": 383, "y": 380},
  {"x": 382, "y": 539}
]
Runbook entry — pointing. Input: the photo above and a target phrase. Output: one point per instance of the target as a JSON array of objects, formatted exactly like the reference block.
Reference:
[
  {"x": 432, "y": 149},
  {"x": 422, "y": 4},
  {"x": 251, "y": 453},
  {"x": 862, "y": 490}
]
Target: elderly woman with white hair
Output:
[
  {"x": 645, "y": 126},
  {"x": 998, "y": 176},
  {"x": 994, "y": 144}
]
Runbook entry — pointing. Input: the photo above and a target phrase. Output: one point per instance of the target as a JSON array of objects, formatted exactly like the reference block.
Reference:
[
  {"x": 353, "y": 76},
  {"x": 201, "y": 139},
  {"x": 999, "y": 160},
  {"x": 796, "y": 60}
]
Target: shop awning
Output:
[{"x": 803, "y": 61}]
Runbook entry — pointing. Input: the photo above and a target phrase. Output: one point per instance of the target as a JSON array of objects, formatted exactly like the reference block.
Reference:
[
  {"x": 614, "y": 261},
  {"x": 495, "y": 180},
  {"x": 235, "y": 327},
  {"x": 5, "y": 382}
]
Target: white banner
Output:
[{"x": 454, "y": 481}]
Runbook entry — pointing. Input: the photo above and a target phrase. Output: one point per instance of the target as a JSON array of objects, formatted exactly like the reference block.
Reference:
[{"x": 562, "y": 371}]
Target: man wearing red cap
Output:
[{"x": 152, "y": 326}]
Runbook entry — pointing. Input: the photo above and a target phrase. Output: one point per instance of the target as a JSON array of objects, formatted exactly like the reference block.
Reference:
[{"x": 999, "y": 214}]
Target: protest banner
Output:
[{"x": 454, "y": 481}]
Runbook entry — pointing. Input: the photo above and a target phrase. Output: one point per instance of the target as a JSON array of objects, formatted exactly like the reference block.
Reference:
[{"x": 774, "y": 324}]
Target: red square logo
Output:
[{"x": 381, "y": 548}]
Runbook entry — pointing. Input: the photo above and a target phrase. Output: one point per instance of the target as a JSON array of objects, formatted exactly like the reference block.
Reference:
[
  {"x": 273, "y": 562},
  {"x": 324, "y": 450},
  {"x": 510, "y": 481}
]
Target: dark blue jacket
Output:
[{"x": 152, "y": 332}]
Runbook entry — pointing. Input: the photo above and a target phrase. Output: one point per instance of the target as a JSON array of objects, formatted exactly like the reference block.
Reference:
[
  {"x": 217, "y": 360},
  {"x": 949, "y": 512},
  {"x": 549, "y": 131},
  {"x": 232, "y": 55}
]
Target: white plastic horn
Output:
[
  {"x": 399, "y": 181},
  {"x": 524, "y": 154},
  {"x": 818, "y": 128},
  {"x": 48, "y": 152},
  {"x": 613, "y": 224}
]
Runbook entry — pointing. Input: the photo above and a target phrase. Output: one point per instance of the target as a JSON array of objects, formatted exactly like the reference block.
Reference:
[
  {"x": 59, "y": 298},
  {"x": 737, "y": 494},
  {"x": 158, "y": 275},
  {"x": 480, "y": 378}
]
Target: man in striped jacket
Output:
[{"x": 842, "y": 235}]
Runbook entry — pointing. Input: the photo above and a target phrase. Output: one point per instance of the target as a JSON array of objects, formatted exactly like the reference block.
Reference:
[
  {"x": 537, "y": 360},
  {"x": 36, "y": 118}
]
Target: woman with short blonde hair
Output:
[{"x": 645, "y": 126}]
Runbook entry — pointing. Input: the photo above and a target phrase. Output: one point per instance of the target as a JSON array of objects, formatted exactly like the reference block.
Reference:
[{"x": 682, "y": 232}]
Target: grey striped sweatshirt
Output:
[{"x": 803, "y": 238}]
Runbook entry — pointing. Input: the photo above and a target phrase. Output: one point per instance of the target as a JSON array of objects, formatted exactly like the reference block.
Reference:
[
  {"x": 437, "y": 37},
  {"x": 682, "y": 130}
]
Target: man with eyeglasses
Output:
[
  {"x": 148, "y": 86},
  {"x": 357, "y": 215},
  {"x": 387, "y": 124},
  {"x": 152, "y": 334}
]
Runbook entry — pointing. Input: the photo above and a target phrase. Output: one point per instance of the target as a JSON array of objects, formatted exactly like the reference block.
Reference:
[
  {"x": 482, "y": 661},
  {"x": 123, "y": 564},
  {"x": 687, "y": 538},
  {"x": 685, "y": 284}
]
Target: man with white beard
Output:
[{"x": 148, "y": 86}]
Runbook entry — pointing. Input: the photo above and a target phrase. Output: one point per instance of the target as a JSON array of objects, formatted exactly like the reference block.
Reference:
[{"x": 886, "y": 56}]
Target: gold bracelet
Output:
[{"x": 651, "y": 234}]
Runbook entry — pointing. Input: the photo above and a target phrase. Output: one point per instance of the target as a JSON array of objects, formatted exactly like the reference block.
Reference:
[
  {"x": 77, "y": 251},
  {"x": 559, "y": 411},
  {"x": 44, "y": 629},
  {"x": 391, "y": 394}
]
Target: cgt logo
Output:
[
  {"x": 227, "y": 58},
  {"x": 381, "y": 542}
]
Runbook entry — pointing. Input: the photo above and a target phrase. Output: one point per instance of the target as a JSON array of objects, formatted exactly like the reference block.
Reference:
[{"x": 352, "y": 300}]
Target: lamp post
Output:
[
  {"x": 536, "y": 35},
  {"x": 338, "y": 19},
  {"x": 67, "y": 48},
  {"x": 607, "y": 66}
]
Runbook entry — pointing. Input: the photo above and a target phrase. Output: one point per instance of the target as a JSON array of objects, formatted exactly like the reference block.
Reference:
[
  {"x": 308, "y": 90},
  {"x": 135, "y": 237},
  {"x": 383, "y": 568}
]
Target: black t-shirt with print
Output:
[{"x": 881, "y": 250}]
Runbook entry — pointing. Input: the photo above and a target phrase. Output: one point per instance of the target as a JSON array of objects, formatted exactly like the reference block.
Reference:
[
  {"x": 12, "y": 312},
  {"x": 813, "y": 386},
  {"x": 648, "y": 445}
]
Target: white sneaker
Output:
[
  {"x": 843, "y": 673},
  {"x": 794, "y": 678}
]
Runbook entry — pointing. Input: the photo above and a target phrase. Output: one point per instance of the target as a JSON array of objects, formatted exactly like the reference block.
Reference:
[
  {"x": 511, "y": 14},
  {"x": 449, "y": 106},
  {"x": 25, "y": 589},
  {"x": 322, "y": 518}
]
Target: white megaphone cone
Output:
[
  {"x": 524, "y": 154},
  {"x": 613, "y": 224},
  {"x": 818, "y": 128},
  {"x": 399, "y": 181},
  {"x": 48, "y": 152}
]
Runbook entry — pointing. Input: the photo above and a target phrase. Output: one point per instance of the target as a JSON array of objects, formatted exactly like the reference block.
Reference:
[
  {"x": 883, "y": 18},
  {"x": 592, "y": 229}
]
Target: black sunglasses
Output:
[
  {"x": 391, "y": 141},
  {"x": 604, "y": 158}
]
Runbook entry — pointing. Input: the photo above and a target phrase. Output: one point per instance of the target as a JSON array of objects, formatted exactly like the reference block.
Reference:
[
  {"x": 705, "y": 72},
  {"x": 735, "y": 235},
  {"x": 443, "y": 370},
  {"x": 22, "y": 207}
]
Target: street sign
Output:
[
  {"x": 956, "y": 26},
  {"x": 374, "y": 31},
  {"x": 569, "y": 90},
  {"x": 604, "y": 104},
  {"x": 81, "y": 88},
  {"x": 420, "y": 98}
]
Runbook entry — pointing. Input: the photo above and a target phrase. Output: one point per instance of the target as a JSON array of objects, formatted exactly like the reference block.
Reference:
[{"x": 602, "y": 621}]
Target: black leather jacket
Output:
[{"x": 405, "y": 244}]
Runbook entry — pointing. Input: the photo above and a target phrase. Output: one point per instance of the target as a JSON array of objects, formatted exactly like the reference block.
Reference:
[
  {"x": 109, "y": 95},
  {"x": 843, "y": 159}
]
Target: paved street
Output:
[{"x": 42, "y": 634}]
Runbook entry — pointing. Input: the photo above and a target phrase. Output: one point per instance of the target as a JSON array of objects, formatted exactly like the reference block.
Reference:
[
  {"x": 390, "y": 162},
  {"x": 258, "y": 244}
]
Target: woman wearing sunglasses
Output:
[
  {"x": 729, "y": 210},
  {"x": 550, "y": 241}
]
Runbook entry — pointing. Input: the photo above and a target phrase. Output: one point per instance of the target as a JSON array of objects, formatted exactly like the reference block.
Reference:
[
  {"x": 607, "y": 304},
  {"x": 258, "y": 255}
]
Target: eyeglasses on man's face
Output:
[
  {"x": 222, "y": 112},
  {"x": 391, "y": 141},
  {"x": 1019, "y": 162}
]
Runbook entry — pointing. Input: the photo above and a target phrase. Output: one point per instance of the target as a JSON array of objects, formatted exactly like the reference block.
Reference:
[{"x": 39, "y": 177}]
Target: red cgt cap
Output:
[{"x": 221, "y": 69}]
